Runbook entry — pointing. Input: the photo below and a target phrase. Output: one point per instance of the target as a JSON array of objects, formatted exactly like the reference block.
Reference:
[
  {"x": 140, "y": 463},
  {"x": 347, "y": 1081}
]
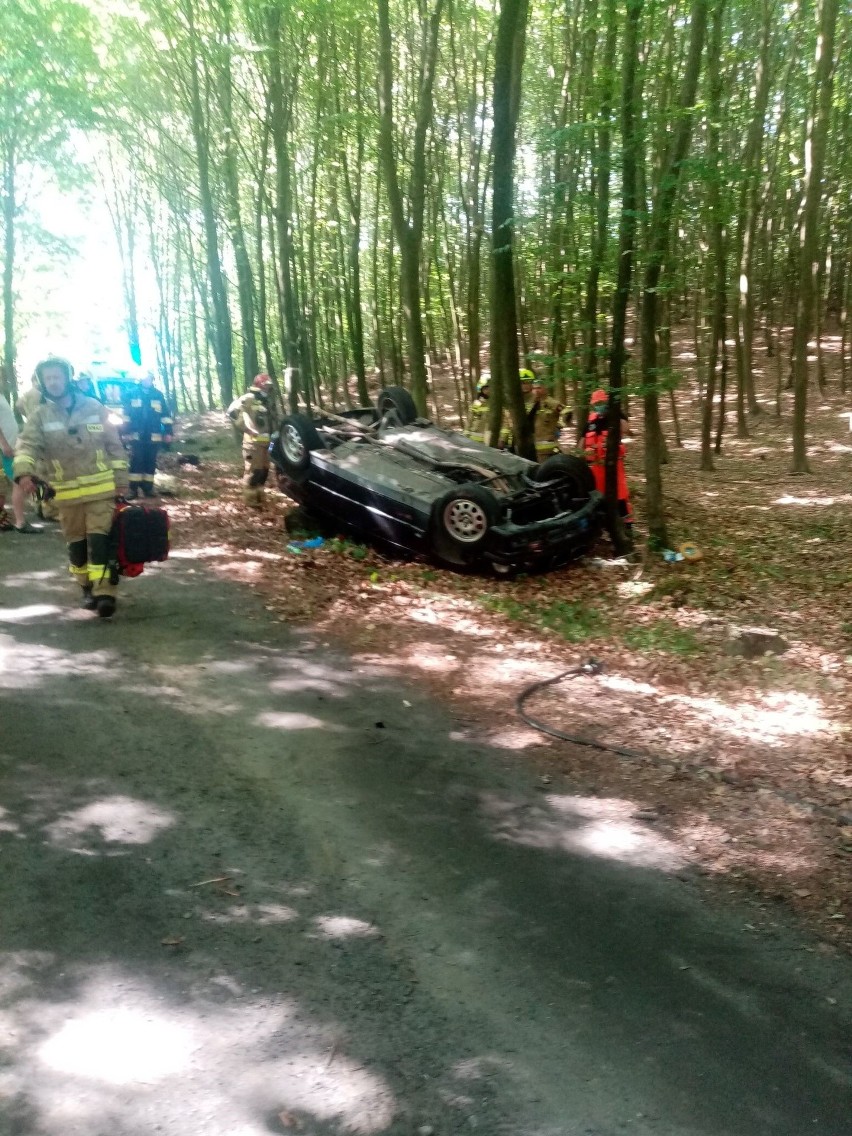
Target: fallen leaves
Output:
[{"x": 755, "y": 725}]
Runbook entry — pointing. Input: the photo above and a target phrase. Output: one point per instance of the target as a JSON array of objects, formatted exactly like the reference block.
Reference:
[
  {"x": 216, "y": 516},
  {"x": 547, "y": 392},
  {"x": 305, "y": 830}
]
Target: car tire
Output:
[
  {"x": 297, "y": 437},
  {"x": 398, "y": 402},
  {"x": 568, "y": 468},
  {"x": 462, "y": 520}
]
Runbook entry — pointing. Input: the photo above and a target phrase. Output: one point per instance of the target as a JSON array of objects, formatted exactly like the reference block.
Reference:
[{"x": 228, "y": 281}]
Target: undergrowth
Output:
[{"x": 578, "y": 623}]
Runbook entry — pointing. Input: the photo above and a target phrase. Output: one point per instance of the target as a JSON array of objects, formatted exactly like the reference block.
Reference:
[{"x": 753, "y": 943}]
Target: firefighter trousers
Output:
[
  {"x": 86, "y": 526},
  {"x": 143, "y": 466},
  {"x": 256, "y": 463}
]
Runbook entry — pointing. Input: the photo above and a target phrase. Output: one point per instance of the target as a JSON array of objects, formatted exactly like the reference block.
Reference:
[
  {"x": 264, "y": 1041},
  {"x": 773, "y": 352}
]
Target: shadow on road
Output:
[{"x": 249, "y": 888}]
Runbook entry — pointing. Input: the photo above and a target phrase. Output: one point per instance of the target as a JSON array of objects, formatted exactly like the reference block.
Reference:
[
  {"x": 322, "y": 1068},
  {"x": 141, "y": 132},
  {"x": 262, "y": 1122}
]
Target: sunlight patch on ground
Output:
[
  {"x": 190, "y": 1066},
  {"x": 843, "y": 499},
  {"x": 27, "y": 579},
  {"x": 602, "y": 828},
  {"x": 768, "y": 718},
  {"x": 116, "y": 820},
  {"x": 344, "y": 927},
  {"x": 119, "y": 1046},
  {"x": 210, "y": 552},
  {"x": 6, "y": 823},
  {"x": 291, "y": 720},
  {"x": 459, "y": 624},
  {"x": 264, "y": 914},
  {"x": 21, "y": 667},
  {"x": 31, "y": 611}
]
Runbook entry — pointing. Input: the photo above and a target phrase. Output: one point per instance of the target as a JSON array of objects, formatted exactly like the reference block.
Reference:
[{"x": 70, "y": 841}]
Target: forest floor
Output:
[{"x": 749, "y": 767}]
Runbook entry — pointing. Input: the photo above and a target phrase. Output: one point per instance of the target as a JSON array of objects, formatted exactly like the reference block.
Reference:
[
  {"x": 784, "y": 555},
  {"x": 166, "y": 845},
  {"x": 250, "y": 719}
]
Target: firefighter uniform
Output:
[
  {"x": 546, "y": 414},
  {"x": 81, "y": 452},
  {"x": 251, "y": 414},
  {"x": 148, "y": 425},
  {"x": 477, "y": 425},
  {"x": 28, "y": 402}
]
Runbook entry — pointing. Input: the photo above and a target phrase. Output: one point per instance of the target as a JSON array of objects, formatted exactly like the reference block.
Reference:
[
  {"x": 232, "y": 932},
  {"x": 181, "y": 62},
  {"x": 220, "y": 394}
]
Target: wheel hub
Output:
[
  {"x": 466, "y": 521},
  {"x": 292, "y": 445}
]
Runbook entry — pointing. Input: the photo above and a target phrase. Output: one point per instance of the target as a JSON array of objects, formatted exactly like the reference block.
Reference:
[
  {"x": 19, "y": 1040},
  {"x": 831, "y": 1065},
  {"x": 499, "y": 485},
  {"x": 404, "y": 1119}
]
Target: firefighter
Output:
[
  {"x": 72, "y": 436},
  {"x": 251, "y": 415},
  {"x": 85, "y": 384},
  {"x": 148, "y": 425},
  {"x": 546, "y": 414},
  {"x": 527, "y": 379},
  {"x": 594, "y": 446},
  {"x": 477, "y": 429}
]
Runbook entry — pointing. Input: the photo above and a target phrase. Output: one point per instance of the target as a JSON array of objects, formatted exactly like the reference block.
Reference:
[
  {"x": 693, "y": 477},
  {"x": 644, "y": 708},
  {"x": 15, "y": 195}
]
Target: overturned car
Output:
[{"x": 389, "y": 476}]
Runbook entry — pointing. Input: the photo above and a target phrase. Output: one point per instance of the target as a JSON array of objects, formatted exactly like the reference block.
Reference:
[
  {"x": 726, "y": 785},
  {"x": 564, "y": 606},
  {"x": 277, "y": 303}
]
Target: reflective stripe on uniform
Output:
[
  {"x": 86, "y": 486},
  {"x": 24, "y": 466},
  {"x": 79, "y": 573}
]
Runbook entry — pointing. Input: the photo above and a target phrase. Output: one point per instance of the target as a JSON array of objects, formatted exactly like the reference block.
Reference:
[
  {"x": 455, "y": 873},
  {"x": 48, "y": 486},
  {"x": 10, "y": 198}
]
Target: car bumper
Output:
[{"x": 557, "y": 538}]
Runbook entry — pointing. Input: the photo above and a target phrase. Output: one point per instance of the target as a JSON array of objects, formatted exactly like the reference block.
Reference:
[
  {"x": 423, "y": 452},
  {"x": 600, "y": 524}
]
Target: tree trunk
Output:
[
  {"x": 602, "y": 164},
  {"x": 630, "y": 141},
  {"x": 222, "y": 339},
  {"x": 508, "y": 65},
  {"x": 815, "y": 147},
  {"x": 408, "y": 228},
  {"x": 293, "y": 354},
  {"x": 658, "y": 243},
  {"x": 9, "y": 384},
  {"x": 717, "y": 231},
  {"x": 245, "y": 278}
]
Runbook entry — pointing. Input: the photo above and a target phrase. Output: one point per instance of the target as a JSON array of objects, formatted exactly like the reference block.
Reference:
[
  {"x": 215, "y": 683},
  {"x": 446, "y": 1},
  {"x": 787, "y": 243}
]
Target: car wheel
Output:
[
  {"x": 398, "y": 403},
  {"x": 297, "y": 437},
  {"x": 574, "y": 472},
  {"x": 461, "y": 522}
]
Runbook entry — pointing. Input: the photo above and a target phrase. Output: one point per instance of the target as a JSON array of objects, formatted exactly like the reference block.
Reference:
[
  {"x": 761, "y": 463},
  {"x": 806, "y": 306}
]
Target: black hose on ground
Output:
[
  {"x": 594, "y": 667},
  {"x": 590, "y": 667}
]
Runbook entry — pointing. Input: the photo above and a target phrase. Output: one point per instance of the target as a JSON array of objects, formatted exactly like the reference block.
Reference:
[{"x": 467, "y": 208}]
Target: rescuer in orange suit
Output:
[{"x": 594, "y": 447}]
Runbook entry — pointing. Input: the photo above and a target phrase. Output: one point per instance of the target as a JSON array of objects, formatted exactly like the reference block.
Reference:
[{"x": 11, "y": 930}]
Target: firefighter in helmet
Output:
[
  {"x": 477, "y": 426},
  {"x": 252, "y": 415},
  {"x": 72, "y": 438},
  {"x": 546, "y": 415},
  {"x": 527, "y": 379}
]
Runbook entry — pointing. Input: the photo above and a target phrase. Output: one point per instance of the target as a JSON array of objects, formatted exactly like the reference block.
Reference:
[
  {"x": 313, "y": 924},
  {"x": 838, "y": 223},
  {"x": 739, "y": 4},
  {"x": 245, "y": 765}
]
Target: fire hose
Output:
[{"x": 592, "y": 667}]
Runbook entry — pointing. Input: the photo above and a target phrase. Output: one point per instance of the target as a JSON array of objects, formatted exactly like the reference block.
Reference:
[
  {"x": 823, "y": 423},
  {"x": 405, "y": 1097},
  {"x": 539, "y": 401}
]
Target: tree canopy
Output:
[{"x": 310, "y": 186}]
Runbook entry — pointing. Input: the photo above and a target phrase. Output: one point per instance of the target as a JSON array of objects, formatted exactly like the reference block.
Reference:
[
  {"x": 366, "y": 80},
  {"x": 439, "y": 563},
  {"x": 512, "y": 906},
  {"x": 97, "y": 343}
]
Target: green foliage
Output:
[
  {"x": 348, "y": 548},
  {"x": 575, "y": 622},
  {"x": 664, "y": 635}
]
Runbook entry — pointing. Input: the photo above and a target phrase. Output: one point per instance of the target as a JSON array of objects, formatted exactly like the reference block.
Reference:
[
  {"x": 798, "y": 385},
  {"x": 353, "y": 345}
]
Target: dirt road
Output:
[{"x": 248, "y": 887}]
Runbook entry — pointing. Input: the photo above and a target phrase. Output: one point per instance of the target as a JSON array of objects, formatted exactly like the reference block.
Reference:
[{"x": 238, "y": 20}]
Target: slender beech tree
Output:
[
  {"x": 506, "y": 383},
  {"x": 408, "y": 221},
  {"x": 630, "y": 142},
  {"x": 815, "y": 147},
  {"x": 659, "y": 234}
]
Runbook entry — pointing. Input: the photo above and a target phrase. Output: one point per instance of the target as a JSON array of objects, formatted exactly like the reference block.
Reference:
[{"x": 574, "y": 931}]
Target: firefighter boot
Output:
[{"x": 105, "y": 606}]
